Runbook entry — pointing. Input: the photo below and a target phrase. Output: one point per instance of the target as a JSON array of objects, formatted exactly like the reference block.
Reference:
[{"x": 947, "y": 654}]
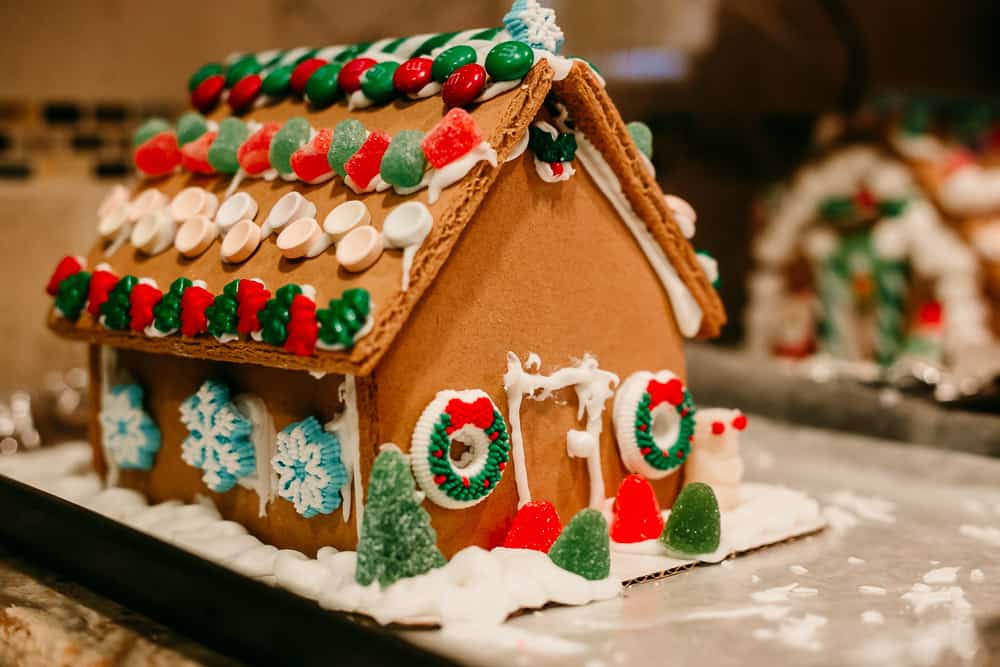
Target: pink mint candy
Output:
[
  {"x": 455, "y": 135},
  {"x": 309, "y": 162},
  {"x": 159, "y": 155},
  {"x": 364, "y": 165},
  {"x": 194, "y": 154},
  {"x": 253, "y": 153}
]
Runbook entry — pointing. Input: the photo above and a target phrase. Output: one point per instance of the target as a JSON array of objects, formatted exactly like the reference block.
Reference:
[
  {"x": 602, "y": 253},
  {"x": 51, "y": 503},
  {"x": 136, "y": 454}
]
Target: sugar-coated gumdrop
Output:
[
  {"x": 302, "y": 327},
  {"x": 583, "y": 546},
  {"x": 278, "y": 81},
  {"x": 208, "y": 93},
  {"x": 148, "y": 130},
  {"x": 67, "y": 266},
  {"x": 464, "y": 85},
  {"x": 292, "y": 135},
  {"x": 253, "y": 153},
  {"x": 309, "y": 162},
  {"x": 642, "y": 136},
  {"x": 190, "y": 126},
  {"x": 302, "y": 72},
  {"x": 349, "y": 78},
  {"x": 364, "y": 165},
  {"x": 454, "y": 135},
  {"x": 348, "y": 136},
  {"x": 376, "y": 82},
  {"x": 222, "y": 153},
  {"x": 397, "y": 539},
  {"x": 322, "y": 88},
  {"x": 158, "y": 156},
  {"x": 243, "y": 94},
  {"x": 144, "y": 298},
  {"x": 411, "y": 77},
  {"x": 194, "y": 154},
  {"x": 695, "y": 524},
  {"x": 101, "y": 284},
  {"x": 636, "y": 515},
  {"x": 404, "y": 162},
  {"x": 194, "y": 301},
  {"x": 535, "y": 526},
  {"x": 251, "y": 296}
]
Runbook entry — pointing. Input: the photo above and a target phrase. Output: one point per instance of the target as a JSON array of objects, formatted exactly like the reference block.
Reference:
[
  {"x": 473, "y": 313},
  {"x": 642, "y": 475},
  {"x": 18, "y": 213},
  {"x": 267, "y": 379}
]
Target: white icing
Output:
[
  {"x": 109, "y": 372},
  {"x": 987, "y": 534},
  {"x": 346, "y": 426},
  {"x": 263, "y": 438},
  {"x": 405, "y": 228},
  {"x": 431, "y": 89},
  {"x": 922, "y": 147},
  {"x": 715, "y": 457},
  {"x": 547, "y": 174},
  {"x": 971, "y": 190},
  {"x": 942, "y": 575},
  {"x": 495, "y": 88},
  {"x": 358, "y": 100},
  {"x": 686, "y": 310},
  {"x": 519, "y": 148},
  {"x": 709, "y": 265},
  {"x": 455, "y": 171},
  {"x": 593, "y": 387}
]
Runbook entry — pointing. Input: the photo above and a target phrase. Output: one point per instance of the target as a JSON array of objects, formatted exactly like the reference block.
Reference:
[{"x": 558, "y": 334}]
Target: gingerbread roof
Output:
[{"x": 503, "y": 120}]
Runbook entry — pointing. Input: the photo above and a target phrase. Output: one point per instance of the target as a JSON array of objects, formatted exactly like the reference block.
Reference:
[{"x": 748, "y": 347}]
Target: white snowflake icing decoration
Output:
[
  {"x": 128, "y": 433},
  {"x": 529, "y": 22},
  {"x": 310, "y": 472},
  {"x": 218, "y": 439}
]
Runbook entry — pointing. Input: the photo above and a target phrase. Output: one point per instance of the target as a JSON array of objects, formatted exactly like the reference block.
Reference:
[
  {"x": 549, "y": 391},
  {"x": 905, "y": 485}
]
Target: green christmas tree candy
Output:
[
  {"x": 167, "y": 313},
  {"x": 584, "y": 547},
  {"x": 397, "y": 540},
  {"x": 343, "y": 318},
  {"x": 72, "y": 295},
  {"x": 348, "y": 135},
  {"x": 695, "y": 525},
  {"x": 642, "y": 136},
  {"x": 116, "y": 309},
  {"x": 222, "y": 316},
  {"x": 290, "y": 138},
  {"x": 404, "y": 161},
  {"x": 222, "y": 153},
  {"x": 274, "y": 316}
]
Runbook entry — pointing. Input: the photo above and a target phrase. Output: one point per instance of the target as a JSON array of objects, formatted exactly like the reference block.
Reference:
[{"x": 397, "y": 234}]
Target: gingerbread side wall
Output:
[{"x": 543, "y": 268}]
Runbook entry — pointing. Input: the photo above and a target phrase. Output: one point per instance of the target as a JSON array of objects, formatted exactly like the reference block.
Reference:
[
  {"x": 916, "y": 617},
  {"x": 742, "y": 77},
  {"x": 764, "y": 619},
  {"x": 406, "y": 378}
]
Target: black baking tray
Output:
[{"x": 227, "y": 612}]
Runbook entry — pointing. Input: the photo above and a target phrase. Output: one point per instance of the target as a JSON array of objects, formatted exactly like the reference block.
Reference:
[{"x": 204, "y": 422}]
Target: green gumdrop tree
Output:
[
  {"x": 167, "y": 313},
  {"x": 695, "y": 524},
  {"x": 222, "y": 318},
  {"x": 397, "y": 540},
  {"x": 584, "y": 547}
]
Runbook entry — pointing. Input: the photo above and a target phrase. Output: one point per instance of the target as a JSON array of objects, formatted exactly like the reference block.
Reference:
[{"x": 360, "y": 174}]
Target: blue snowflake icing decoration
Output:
[
  {"x": 218, "y": 439},
  {"x": 529, "y": 22},
  {"x": 310, "y": 472},
  {"x": 129, "y": 435}
]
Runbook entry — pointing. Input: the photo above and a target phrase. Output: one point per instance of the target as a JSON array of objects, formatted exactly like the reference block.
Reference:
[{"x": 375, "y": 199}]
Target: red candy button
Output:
[
  {"x": 411, "y": 77},
  {"x": 464, "y": 85},
  {"x": 349, "y": 78},
  {"x": 302, "y": 72},
  {"x": 244, "y": 92},
  {"x": 208, "y": 92}
]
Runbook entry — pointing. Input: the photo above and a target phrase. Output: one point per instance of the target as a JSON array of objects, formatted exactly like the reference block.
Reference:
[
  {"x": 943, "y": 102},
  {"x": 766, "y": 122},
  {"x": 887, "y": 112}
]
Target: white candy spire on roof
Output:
[{"x": 529, "y": 22}]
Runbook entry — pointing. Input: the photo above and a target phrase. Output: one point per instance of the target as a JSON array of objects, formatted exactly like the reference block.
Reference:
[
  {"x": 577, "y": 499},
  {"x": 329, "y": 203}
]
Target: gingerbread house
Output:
[{"x": 449, "y": 242}]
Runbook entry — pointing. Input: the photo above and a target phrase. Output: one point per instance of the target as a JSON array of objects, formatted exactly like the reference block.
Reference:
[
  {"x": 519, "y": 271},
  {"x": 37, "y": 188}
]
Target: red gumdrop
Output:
[
  {"x": 454, "y": 135},
  {"x": 101, "y": 283},
  {"x": 636, "y": 515},
  {"x": 464, "y": 85},
  {"x": 740, "y": 422},
  {"x": 310, "y": 162},
  {"x": 194, "y": 301},
  {"x": 244, "y": 92},
  {"x": 535, "y": 526},
  {"x": 141, "y": 301},
  {"x": 302, "y": 72},
  {"x": 67, "y": 266},
  {"x": 159, "y": 155},
  {"x": 253, "y": 153},
  {"x": 207, "y": 94},
  {"x": 302, "y": 326},
  {"x": 410, "y": 77},
  {"x": 365, "y": 164},
  {"x": 194, "y": 154},
  {"x": 250, "y": 297},
  {"x": 349, "y": 78}
]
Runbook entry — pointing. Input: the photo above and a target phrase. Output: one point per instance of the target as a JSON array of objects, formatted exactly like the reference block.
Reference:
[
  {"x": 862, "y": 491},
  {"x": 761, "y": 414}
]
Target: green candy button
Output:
[
  {"x": 245, "y": 66},
  {"x": 202, "y": 73},
  {"x": 322, "y": 88},
  {"x": 450, "y": 60},
  {"x": 376, "y": 82},
  {"x": 509, "y": 61},
  {"x": 276, "y": 84}
]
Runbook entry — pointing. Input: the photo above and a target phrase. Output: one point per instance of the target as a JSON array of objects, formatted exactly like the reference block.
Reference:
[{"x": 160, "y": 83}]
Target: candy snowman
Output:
[{"x": 715, "y": 456}]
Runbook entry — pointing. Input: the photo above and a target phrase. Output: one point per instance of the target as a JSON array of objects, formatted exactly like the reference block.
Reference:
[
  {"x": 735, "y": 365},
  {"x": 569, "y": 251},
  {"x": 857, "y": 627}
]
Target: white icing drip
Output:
[
  {"x": 546, "y": 173},
  {"x": 375, "y": 185},
  {"x": 263, "y": 482},
  {"x": 686, "y": 310},
  {"x": 152, "y": 332},
  {"x": 431, "y": 89},
  {"x": 970, "y": 191},
  {"x": 496, "y": 88},
  {"x": 519, "y": 147},
  {"x": 593, "y": 387},
  {"x": 235, "y": 183},
  {"x": 358, "y": 100},
  {"x": 453, "y": 172},
  {"x": 406, "y": 227},
  {"x": 922, "y": 147},
  {"x": 347, "y": 429},
  {"x": 362, "y": 332},
  {"x": 109, "y": 376}
]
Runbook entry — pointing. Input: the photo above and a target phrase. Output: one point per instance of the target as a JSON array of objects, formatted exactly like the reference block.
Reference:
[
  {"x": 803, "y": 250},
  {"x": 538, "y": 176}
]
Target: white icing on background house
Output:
[
  {"x": 262, "y": 436},
  {"x": 593, "y": 387},
  {"x": 346, "y": 427}
]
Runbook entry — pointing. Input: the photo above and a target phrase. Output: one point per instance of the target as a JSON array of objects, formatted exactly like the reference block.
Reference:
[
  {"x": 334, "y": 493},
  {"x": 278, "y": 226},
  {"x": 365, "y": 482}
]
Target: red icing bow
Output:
[
  {"x": 671, "y": 392},
  {"x": 478, "y": 413}
]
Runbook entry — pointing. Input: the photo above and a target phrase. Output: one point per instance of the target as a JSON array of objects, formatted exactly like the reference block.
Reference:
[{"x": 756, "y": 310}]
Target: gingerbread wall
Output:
[{"x": 544, "y": 268}]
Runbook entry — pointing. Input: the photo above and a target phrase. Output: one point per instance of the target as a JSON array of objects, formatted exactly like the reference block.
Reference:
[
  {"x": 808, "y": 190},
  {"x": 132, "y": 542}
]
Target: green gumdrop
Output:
[
  {"x": 348, "y": 135},
  {"x": 450, "y": 60},
  {"x": 583, "y": 547},
  {"x": 290, "y": 138},
  {"x": 695, "y": 524},
  {"x": 322, "y": 87},
  {"x": 202, "y": 73},
  {"x": 148, "y": 130},
  {"x": 376, "y": 82},
  {"x": 222, "y": 153},
  {"x": 276, "y": 84},
  {"x": 404, "y": 161},
  {"x": 397, "y": 539},
  {"x": 642, "y": 136},
  {"x": 243, "y": 67},
  {"x": 190, "y": 126}
]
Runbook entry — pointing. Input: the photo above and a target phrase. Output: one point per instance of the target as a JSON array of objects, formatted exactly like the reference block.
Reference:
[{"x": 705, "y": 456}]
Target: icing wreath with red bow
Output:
[{"x": 459, "y": 479}]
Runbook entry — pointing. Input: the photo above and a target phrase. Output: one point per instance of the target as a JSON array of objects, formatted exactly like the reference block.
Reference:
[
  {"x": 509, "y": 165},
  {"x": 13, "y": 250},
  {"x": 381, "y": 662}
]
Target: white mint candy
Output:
[
  {"x": 193, "y": 201},
  {"x": 291, "y": 206},
  {"x": 195, "y": 235},
  {"x": 113, "y": 222},
  {"x": 359, "y": 249},
  {"x": 240, "y": 206},
  {"x": 407, "y": 225},
  {"x": 113, "y": 201},
  {"x": 149, "y": 200},
  {"x": 241, "y": 241},
  {"x": 346, "y": 217},
  {"x": 154, "y": 232},
  {"x": 303, "y": 238}
]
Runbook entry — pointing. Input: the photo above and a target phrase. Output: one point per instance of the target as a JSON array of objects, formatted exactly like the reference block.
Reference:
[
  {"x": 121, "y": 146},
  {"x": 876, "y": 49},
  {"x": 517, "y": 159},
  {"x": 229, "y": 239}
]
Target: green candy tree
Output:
[
  {"x": 72, "y": 295},
  {"x": 695, "y": 523},
  {"x": 274, "y": 316},
  {"x": 167, "y": 313},
  {"x": 343, "y": 318},
  {"x": 222, "y": 315},
  {"x": 116, "y": 309},
  {"x": 584, "y": 547},
  {"x": 397, "y": 539}
]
